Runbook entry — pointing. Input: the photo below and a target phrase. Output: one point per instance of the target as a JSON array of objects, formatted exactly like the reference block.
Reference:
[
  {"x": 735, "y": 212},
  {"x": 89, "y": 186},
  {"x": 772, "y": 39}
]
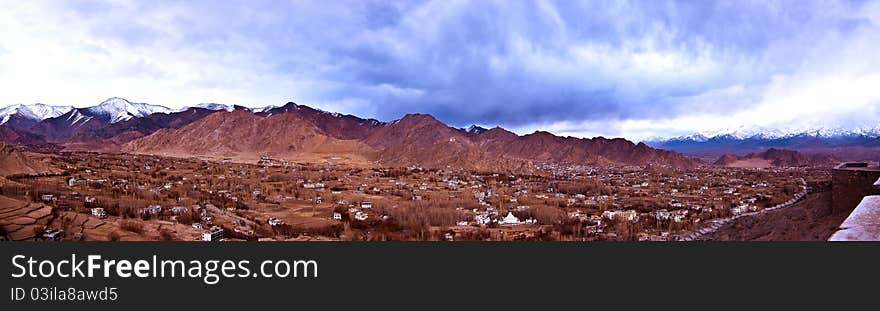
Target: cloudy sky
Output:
[{"x": 635, "y": 69}]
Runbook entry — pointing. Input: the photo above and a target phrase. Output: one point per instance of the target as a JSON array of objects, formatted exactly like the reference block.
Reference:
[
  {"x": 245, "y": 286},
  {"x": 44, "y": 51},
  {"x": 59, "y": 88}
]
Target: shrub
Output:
[
  {"x": 166, "y": 235},
  {"x": 113, "y": 236}
]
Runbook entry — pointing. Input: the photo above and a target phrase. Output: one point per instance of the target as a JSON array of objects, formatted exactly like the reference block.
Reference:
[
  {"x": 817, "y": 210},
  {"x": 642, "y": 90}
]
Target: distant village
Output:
[{"x": 138, "y": 197}]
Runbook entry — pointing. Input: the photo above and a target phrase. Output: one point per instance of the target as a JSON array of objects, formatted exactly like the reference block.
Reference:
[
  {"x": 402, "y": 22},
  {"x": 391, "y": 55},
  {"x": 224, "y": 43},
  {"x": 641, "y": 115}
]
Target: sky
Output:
[{"x": 634, "y": 69}]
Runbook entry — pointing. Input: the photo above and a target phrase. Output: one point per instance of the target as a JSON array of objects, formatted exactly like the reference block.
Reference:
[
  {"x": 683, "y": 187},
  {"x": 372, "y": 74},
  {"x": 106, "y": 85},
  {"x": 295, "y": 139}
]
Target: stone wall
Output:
[{"x": 850, "y": 185}]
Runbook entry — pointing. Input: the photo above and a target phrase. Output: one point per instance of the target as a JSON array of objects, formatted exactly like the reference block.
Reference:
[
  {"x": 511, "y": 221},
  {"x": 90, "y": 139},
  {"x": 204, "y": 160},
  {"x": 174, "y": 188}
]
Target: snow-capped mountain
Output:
[
  {"x": 112, "y": 110},
  {"x": 118, "y": 109},
  {"x": 212, "y": 106},
  {"x": 743, "y": 133},
  {"x": 262, "y": 109},
  {"x": 742, "y": 139},
  {"x": 33, "y": 112},
  {"x": 475, "y": 129},
  {"x": 87, "y": 126},
  {"x": 219, "y": 107}
]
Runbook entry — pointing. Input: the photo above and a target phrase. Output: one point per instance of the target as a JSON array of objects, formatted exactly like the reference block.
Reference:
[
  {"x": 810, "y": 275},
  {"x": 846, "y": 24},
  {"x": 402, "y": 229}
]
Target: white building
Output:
[
  {"x": 99, "y": 212},
  {"x": 152, "y": 210},
  {"x": 628, "y": 215},
  {"x": 214, "y": 234},
  {"x": 361, "y": 216},
  {"x": 275, "y": 221}
]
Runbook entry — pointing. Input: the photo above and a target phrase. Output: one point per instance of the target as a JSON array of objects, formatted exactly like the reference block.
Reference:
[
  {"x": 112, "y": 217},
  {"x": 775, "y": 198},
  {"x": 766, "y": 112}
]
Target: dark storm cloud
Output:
[
  {"x": 517, "y": 62},
  {"x": 513, "y": 63}
]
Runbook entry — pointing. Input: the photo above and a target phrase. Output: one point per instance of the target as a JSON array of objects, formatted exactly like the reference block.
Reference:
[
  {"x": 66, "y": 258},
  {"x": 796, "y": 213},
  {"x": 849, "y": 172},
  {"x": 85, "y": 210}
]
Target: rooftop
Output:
[{"x": 863, "y": 224}]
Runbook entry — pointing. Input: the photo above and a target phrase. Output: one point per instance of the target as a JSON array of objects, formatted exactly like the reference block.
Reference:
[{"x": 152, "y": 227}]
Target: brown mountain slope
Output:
[
  {"x": 726, "y": 160},
  {"x": 541, "y": 147},
  {"x": 14, "y": 162},
  {"x": 296, "y": 131},
  {"x": 420, "y": 130},
  {"x": 244, "y": 135},
  {"x": 776, "y": 158},
  {"x": 111, "y": 137},
  {"x": 332, "y": 124},
  {"x": 448, "y": 154},
  {"x": 20, "y": 137},
  {"x": 546, "y": 147}
]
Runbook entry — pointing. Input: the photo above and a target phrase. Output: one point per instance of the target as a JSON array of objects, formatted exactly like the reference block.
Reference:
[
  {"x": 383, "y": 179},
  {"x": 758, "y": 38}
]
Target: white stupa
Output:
[{"x": 510, "y": 219}]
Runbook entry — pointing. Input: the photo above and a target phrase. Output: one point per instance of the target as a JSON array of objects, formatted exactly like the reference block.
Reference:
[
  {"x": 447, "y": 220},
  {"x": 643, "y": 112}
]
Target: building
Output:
[
  {"x": 151, "y": 210},
  {"x": 99, "y": 212},
  {"x": 628, "y": 215},
  {"x": 361, "y": 216},
  {"x": 313, "y": 185},
  {"x": 53, "y": 235},
  {"x": 275, "y": 221},
  {"x": 509, "y": 219},
  {"x": 662, "y": 215},
  {"x": 213, "y": 234},
  {"x": 179, "y": 210},
  {"x": 482, "y": 219}
]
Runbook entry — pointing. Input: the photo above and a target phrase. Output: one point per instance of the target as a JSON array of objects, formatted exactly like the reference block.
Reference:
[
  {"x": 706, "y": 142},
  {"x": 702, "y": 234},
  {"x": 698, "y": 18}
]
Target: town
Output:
[{"x": 127, "y": 197}]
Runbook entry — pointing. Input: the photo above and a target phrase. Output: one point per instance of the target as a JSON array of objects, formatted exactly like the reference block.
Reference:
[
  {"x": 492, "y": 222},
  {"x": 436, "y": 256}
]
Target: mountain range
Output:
[
  {"x": 846, "y": 144},
  {"x": 300, "y": 132}
]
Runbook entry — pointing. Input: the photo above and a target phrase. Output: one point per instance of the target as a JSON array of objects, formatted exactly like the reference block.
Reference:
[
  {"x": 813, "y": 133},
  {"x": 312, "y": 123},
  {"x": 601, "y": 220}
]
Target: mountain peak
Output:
[
  {"x": 288, "y": 107},
  {"x": 32, "y": 112},
  {"x": 115, "y": 101},
  {"x": 542, "y": 134},
  {"x": 116, "y": 109},
  {"x": 475, "y": 129},
  {"x": 418, "y": 118},
  {"x": 215, "y": 106}
]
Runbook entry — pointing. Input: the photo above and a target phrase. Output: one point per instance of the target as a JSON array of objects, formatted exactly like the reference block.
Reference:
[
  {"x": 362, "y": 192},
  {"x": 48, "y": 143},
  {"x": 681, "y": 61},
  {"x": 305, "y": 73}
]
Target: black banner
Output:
[{"x": 452, "y": 275}]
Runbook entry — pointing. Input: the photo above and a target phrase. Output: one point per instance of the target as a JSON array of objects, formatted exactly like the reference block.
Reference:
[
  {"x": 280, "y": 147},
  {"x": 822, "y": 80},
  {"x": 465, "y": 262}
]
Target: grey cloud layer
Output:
[{"x": 514, "y": 63}]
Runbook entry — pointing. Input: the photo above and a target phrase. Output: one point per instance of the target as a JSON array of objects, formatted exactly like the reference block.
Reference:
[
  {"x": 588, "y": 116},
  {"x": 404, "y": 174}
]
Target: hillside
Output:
[
  {"x": 776, "y": 158},
  {"x": 302, "y": 133},
  {"x": 14, "y": 162},
  {"x": 243, "y": 135}
]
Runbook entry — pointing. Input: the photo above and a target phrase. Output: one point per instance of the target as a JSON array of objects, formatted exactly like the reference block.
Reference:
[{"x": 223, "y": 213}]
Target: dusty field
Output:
[
  {"x": 752, "y": 163},
  {"x": 809, "y": 220}
]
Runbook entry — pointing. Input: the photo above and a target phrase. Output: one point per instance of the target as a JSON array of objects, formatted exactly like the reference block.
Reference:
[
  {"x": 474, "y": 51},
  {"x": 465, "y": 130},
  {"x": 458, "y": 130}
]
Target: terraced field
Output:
[{"x": 23, "y": 220}]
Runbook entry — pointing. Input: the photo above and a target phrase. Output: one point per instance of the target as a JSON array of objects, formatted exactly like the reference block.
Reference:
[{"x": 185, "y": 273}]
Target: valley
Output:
[
  {"x": 99, "y": 196},
  {"x": 123, "y": 171}
]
